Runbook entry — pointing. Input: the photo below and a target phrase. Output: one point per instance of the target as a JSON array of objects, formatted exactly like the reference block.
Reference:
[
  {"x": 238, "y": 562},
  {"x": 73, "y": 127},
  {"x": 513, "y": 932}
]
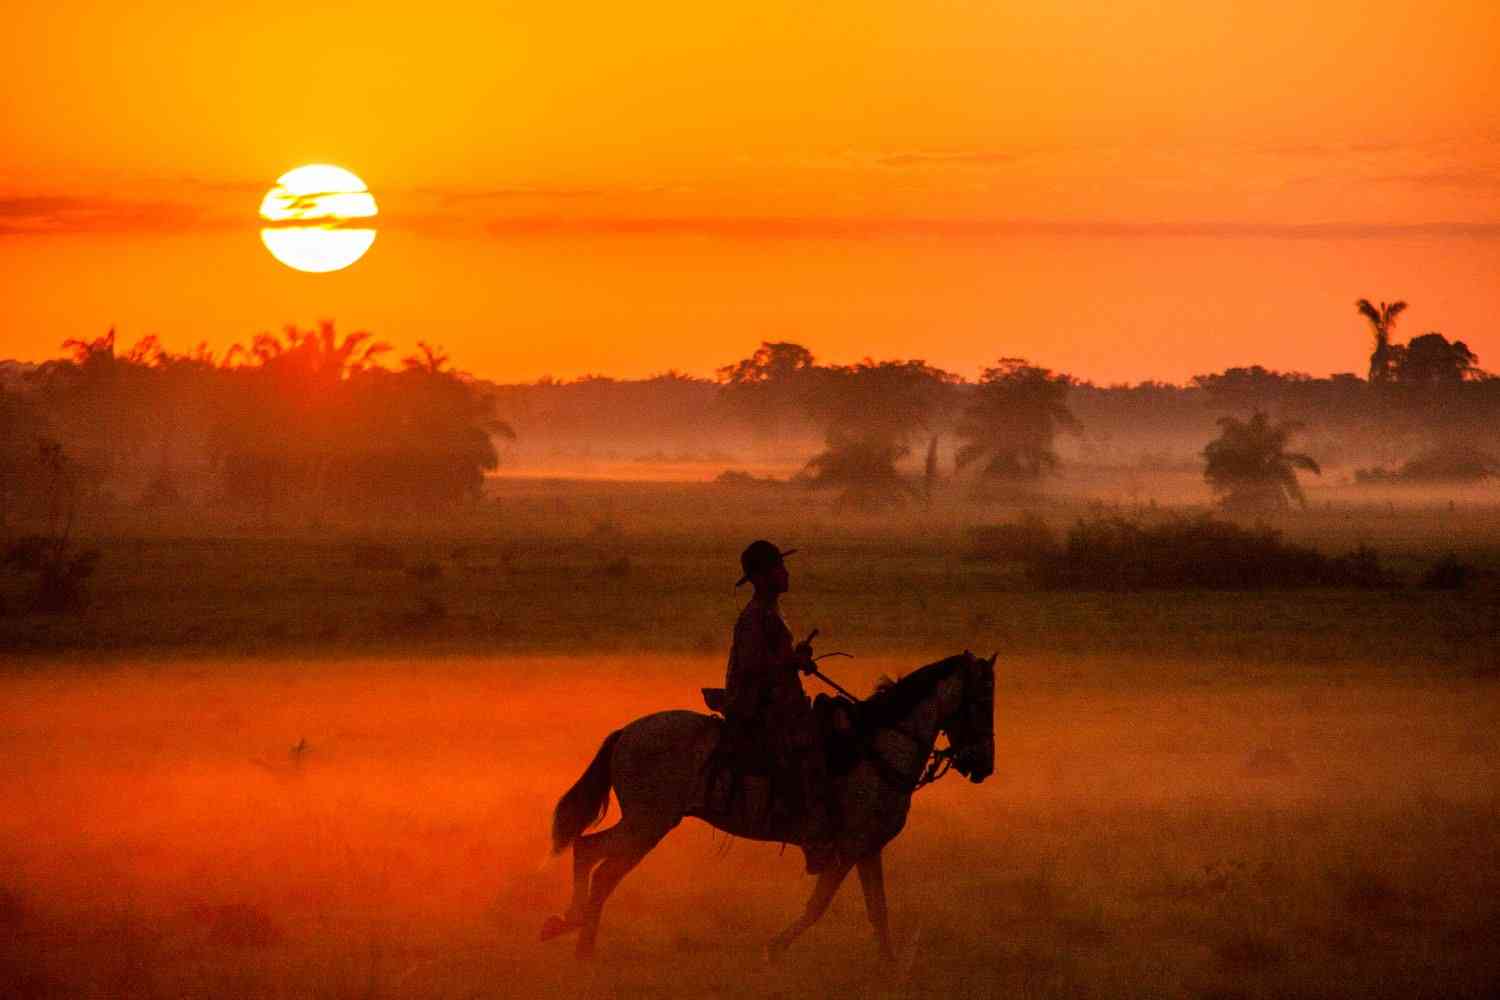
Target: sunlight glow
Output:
[{"x": 308, "y": 214}]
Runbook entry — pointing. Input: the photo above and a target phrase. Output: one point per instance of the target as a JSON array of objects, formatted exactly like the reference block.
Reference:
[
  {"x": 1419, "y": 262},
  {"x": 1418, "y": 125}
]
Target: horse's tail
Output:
[{"x": 585, "y": 803}]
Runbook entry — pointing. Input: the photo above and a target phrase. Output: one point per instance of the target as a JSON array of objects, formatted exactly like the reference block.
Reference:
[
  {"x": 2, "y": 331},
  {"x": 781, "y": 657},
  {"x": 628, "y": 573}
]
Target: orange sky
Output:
[{"x": 1122, "y": 189}]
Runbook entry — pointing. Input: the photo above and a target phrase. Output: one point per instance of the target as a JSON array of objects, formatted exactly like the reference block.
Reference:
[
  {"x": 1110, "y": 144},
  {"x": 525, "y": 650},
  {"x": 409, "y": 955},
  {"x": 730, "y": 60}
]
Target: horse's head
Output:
[{"x": 971, "y": 727}]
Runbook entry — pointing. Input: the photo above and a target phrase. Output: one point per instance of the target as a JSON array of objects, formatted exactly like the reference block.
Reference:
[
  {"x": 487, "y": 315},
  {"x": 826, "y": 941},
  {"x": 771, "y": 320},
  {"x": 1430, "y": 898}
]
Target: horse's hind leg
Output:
[
  {"x": 625, "y": 849},
  {"x": 588, "y": 851}
]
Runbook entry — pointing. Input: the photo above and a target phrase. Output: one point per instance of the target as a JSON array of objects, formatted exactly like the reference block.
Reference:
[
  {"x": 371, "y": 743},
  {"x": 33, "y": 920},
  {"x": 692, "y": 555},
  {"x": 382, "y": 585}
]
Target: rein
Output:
[
  {"x": 936, "y": 765},
  {"x": 939, "y": 762}
]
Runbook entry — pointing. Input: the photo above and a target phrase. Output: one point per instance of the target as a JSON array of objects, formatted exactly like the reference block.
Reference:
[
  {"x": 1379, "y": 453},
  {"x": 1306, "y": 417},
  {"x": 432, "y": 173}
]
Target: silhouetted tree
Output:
[
  {"x": 1382, "y": 320},
  {"x": 864, "y": 469},
  {"x": 428, "y": 359},
  {"x": 1250, "y": 389},
  {"x": 311, "y": 417},
  {"x": 1432, "y": 360},
  {"x": 869, "y": 413},
  {"x": 771, "y": 388},
  {"x": 21, "y": 428},
  {"x": 930, "y": 472},
  {"x": 1012, "y": 421},
  {"x": 59, "y": 566},
  {"x": 1249, "y": 468}
]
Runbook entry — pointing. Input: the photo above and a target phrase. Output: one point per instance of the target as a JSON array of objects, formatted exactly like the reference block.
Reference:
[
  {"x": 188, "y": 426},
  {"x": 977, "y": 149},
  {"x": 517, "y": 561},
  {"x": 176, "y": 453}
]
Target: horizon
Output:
[{"x": 711, "y": 377}]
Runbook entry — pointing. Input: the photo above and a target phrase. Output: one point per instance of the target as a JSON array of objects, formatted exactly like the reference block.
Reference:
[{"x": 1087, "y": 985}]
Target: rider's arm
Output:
[{"x": 786, "y": 657}]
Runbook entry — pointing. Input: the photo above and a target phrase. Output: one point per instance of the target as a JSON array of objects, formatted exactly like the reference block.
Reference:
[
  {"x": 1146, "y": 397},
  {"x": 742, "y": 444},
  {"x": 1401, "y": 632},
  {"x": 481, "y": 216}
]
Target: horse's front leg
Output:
[
  {"x": 817, "y": 905},
  {"x": 872, "y": 880}
]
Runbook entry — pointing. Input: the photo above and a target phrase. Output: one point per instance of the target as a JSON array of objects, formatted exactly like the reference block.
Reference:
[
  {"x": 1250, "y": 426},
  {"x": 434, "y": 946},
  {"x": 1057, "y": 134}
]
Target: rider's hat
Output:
[{"x": 759, "y": 556}]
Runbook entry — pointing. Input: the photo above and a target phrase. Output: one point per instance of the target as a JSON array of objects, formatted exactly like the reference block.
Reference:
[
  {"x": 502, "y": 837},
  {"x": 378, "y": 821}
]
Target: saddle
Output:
[
  {"x": 838, "y": 731},
  {"x": 737, "y": 751},
  {"x": 747, "y": 782},
  {"x": 747, "y": 787}
]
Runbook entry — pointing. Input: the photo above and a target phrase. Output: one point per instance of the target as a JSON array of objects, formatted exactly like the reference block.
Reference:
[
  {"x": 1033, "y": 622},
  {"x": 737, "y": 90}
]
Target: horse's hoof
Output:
[{"x": 555, "y": 925}]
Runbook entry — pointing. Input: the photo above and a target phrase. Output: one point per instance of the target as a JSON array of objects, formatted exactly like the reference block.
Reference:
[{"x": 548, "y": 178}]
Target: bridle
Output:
[{"x": 939, "y": 760}]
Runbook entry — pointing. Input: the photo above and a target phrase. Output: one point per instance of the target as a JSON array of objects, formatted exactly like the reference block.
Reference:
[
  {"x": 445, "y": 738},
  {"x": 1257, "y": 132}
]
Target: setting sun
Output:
[{"x": 315, "y": 218}]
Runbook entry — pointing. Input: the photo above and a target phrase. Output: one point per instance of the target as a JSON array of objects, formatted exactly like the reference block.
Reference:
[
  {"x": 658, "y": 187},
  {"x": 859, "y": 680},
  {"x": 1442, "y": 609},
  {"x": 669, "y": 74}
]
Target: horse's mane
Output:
[{"x": 894, "y": 700}]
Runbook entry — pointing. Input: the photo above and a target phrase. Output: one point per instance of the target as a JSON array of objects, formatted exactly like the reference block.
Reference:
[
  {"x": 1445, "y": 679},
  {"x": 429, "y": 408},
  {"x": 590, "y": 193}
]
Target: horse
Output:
[{"x": 659, "y": 769}]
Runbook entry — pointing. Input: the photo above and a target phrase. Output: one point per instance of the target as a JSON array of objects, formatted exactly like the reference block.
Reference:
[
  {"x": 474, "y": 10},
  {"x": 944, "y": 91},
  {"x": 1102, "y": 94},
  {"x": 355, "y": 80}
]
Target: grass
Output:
[
  {"x": 554, "y": 568},
  {"x": 160, "y": 840}
]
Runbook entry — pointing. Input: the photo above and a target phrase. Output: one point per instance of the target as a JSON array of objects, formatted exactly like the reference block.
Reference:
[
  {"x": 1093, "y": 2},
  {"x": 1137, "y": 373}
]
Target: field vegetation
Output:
[{"x": 377, "y": 828}]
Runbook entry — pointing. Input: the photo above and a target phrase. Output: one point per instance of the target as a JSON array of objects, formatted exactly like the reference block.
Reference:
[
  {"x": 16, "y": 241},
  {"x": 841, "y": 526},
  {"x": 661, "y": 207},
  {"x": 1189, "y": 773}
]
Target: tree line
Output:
[
  {"x": 1428, "y": 393},
  {"x": 316, "y": 421},
  {"x": 305, "y": 419}
]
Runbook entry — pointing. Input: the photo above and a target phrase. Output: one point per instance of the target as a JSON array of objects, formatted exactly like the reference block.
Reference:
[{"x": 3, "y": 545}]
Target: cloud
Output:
[
  {"x": 862, "y": 228},
  {"x": 44, "y": 214},
  {"x": 462, "y": 196},
  {"x": 958, "y": 158},
  {"x": 509, "y": 193},
  {"x": 1461, "y": 178}
]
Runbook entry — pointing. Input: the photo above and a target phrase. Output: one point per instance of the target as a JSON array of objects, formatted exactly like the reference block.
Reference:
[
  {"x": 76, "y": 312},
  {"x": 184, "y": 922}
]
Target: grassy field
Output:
[
  {"x": 546, "y": 567},
  {"x": 1221, "y": 794},
  {"x": 1149, "y": 831}
]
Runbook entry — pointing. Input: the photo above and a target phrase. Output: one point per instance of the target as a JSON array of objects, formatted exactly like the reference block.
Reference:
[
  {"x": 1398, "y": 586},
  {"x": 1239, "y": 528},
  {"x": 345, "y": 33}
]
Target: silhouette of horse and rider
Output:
[{"x": 835, "y": 777}]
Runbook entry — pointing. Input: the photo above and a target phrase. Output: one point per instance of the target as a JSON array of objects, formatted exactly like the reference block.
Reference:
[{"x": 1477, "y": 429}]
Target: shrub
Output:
[
  {"x": 1119, "y": 554},
  {"x": 739, "y": 477},
  {"x": 1449, "y": 464},
  {"x": 1456, "y": 463},
  {"x": 1448, "y": 573},
  {"x": 60, "y": 570},
  {"x": 1023, "y": 540}
]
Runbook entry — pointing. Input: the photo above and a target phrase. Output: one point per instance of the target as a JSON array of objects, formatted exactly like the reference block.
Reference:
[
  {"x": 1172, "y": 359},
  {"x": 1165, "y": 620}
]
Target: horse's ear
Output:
[{"x": 993, "y": 658}]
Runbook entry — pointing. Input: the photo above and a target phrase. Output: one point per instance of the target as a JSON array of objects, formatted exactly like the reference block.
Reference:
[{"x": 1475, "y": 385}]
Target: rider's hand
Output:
[{"x": 803, "y": 652}]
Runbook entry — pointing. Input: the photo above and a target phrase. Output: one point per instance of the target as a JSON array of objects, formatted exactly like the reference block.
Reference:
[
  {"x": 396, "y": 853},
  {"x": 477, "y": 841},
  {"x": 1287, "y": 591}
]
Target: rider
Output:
[{"x": 764, "y": 696}]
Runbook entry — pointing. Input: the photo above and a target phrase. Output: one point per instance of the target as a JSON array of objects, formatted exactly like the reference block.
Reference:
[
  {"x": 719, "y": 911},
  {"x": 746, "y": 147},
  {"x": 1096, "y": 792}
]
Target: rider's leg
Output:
[{"x": 818, "y": 828}]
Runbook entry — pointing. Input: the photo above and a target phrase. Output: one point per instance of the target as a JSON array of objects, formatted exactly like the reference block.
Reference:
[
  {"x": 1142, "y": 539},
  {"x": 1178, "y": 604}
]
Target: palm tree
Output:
[
  {"x": 428, "y": 359},
  {"x": 316, "y": 354},
  {"x": 864, "y": 470},
  {"x": 1381, "y": 321},
  {"x": 1016, "y": 412},
  {"x": 1249, "y": 467},
  {"x": 870, "y": 411}
]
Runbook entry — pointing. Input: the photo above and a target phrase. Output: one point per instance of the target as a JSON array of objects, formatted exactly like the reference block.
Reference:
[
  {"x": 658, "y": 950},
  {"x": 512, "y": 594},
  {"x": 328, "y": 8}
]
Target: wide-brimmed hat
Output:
[{"x": 759, "y": 556}]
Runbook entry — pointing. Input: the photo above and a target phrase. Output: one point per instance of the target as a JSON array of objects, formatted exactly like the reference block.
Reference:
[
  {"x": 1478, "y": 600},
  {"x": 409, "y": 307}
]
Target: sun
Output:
[{"x": 318, "y": 218}]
